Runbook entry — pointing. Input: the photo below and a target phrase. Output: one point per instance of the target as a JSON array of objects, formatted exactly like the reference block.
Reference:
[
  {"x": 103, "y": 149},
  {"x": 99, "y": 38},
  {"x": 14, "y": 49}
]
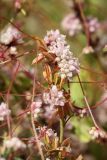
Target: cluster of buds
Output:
[
  {"x": 14, "y": 143},
  {"x": 97, "y": 133},
  {"x": 54, "y": 97},
  {"x": 4, "y": 111},
  {"x": 57, "y": 45},
  {"x": 71, "y": 24}
]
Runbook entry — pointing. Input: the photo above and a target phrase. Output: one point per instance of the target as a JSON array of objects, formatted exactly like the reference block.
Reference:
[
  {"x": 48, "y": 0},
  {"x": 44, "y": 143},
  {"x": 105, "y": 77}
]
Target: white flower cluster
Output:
[
  {"x": 54, "y": 98},
  {"x": 71, "y": 24},
  {"x": 46, "y": 106},
  {"x": 93, "y": 24},
  {"x": 57, "y": 45},
  {"x": 97, "y": 133},
  {"x": 14, "y": 143},
  {"x": 10, "y": 34},
  {"x": 4, "y": 111}
]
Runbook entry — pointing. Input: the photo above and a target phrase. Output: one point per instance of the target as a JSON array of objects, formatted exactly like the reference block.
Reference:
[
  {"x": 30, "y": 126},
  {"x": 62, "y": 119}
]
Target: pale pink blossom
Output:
[{"x": 71, "y": 24}]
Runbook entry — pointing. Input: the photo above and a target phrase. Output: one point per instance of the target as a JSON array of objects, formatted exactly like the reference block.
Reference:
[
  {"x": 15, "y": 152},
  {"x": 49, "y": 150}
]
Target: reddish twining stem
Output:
[{"x": 79, "y": 10}]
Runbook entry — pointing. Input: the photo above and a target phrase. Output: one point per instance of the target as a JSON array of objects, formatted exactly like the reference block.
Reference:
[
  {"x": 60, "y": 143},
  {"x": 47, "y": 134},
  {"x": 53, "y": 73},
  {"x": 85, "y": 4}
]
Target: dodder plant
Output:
[{"x": 50, "y": 108}]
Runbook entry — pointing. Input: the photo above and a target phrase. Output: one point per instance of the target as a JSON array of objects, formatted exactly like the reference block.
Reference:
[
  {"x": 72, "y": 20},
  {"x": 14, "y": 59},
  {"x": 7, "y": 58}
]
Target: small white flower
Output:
[{"x": 13, "y": 50}]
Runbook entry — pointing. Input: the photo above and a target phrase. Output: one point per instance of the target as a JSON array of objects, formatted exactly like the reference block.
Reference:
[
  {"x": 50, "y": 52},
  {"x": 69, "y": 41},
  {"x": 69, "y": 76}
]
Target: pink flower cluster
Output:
[
  {"x": 57, "y": 44},
  {"x": 46, "y": 106}
]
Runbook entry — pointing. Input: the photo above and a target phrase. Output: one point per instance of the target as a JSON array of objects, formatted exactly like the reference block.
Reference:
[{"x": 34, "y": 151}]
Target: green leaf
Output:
[{"x": 82, "y": 127}]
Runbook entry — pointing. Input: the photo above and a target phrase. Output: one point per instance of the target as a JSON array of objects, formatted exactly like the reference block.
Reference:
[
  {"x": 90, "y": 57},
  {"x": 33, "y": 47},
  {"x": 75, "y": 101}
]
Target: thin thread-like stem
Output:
[
  {"x": 83, "y": 20},
  {"x": 85, "y": 99},
  {"x": 32, "y": 122},
  {"x": 8, "y": 94}
]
